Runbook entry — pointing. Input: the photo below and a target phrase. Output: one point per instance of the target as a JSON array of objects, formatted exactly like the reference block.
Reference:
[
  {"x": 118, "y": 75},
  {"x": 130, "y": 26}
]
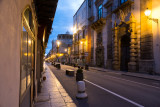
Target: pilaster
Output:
[
  {"x": 132, "y": 65},
  {"x": 116, "y": 65}
]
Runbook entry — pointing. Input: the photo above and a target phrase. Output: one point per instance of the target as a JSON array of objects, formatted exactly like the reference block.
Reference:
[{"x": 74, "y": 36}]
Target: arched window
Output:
[
  {"x": 27, "y": 50},
  {"x": 29, "y": 20}
]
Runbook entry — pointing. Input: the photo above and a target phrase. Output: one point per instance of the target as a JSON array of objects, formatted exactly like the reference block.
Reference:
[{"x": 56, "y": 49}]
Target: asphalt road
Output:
[{"x": 110, "y": 89}]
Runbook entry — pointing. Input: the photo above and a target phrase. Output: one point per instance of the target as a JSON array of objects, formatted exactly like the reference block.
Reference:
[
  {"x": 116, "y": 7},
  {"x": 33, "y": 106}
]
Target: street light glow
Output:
[
  {"x": 58, "y": 43},
  {"x": 147, "y": 12},
  {"x": 74, "y": 29},
  {"x": 29, "y": 42}
]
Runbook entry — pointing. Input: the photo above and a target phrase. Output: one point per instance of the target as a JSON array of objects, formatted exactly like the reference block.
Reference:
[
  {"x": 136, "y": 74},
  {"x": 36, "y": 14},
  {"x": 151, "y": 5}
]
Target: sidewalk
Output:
[
  {"x": 139, "y": 75},
  {"x": 53, "y": 94}
]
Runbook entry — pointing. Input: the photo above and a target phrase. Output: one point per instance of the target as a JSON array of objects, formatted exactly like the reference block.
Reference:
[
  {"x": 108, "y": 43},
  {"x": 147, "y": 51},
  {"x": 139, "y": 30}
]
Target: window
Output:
[
  {"x": 89, "y": 3},
  {"x": 29, "y": 20},
  {"x": 83, "y": 34},
  {"x": 122, "y": 1},
  {"x": 27, "y": 52},
  {"x": 27, "y": 60},
  {"x": 100, "y": 8}
]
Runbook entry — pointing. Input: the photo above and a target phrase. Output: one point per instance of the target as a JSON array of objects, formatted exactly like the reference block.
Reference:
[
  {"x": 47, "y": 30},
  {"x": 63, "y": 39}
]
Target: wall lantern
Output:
[{"x": 147, "y": 13}]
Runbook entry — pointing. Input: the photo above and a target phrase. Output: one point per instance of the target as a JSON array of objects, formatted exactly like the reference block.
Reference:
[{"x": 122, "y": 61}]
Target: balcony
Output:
[
  {"x": 98, "y": 24},
  {"x": 115, "y": 9}
]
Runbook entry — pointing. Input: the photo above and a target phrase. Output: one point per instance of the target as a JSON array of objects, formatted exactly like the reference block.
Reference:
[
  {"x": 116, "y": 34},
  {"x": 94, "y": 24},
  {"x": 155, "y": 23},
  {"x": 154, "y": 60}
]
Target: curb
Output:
[
  {"x": 98, "y": 70},
  {"x": 138, "y": 76},
  {"x": 132, "y": 75}
]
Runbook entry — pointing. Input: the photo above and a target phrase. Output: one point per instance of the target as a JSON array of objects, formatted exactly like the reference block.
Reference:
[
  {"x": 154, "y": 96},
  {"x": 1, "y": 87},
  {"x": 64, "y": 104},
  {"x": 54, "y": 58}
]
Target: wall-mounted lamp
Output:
[{"x": 147, "y": 13}]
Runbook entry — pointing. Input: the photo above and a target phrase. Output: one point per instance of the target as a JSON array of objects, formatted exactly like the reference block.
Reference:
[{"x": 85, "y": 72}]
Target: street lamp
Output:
[
  {"x": 58, "y": 43},
  {"x": 65, "y": 50},
  {"x": 147, "y": 13}
]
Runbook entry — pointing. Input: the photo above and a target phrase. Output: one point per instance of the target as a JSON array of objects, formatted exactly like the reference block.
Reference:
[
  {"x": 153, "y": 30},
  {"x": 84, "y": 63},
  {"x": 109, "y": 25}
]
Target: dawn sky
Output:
[{"x": 63, "y": 20}]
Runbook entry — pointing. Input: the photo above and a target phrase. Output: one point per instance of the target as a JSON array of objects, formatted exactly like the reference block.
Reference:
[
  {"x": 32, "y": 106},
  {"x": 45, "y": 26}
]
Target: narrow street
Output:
[{"x": 112, "y": 89}]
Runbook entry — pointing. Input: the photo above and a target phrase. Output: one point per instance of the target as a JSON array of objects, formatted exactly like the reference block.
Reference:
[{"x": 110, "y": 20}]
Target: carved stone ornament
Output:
[{"x": 121, "y": 16}]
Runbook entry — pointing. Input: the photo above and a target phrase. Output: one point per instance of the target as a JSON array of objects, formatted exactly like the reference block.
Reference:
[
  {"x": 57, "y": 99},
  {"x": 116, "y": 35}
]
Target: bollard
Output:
[
  {"x": 58, "y": 66},
  {"x": 86, "y": 67},
  {"x": 79, "y": 75},
  {"x": 81, "y": 90}
]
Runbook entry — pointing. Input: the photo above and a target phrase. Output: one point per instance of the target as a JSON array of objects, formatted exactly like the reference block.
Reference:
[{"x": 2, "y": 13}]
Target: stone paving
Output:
[{"x": 53, "y": 94}]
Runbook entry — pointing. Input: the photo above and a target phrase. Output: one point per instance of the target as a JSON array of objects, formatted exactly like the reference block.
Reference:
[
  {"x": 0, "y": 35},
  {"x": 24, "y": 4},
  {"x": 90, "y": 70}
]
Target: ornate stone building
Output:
[
  {"x": 82, "y": 35},
  {"x": 123, "y": 37}
]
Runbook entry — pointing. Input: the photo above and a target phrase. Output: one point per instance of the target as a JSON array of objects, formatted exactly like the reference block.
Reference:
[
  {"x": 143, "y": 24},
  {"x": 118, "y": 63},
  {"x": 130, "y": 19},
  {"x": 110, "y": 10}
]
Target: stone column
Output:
[
  {"x": 115, "y": 49},
  {"x": 132, "y": 65}
]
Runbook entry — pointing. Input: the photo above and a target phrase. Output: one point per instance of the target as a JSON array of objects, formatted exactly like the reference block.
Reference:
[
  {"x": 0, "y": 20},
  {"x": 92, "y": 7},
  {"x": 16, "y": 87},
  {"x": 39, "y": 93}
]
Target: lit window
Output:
[{"x": 100, "y": 11}]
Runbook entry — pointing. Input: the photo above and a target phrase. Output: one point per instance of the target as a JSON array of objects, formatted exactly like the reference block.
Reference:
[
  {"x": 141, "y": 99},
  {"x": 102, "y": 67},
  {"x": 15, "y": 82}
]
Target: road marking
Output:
[
  {"x": 128, "y": 100},
  {"x": 133, "y": 82}
]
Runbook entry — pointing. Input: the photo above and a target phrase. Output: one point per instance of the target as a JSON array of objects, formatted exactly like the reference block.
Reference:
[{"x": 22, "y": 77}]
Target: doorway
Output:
[{"x": 125, "y": 52}]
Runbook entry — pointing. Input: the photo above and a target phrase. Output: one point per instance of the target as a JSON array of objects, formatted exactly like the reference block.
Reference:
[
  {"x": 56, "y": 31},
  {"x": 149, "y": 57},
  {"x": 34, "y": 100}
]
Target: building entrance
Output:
[{"x": 125, "y": 52}]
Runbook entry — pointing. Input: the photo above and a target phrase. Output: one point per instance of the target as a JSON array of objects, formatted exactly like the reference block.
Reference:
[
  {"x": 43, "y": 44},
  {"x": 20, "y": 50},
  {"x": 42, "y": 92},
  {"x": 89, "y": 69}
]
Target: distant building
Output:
[
  {"x": 82, "y": 35},
  {"x": 65, "y": 42},
  {"x": 67, "y": 38}
]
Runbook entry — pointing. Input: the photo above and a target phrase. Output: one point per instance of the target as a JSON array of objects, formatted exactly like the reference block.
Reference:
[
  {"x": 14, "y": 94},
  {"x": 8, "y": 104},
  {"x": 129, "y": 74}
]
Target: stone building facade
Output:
[
  {"x": 82, "y": 37},
  {"x": 62, "y": 52},
  {"x": 24, "y": 33},
  {"x": 122, "y": 37}
]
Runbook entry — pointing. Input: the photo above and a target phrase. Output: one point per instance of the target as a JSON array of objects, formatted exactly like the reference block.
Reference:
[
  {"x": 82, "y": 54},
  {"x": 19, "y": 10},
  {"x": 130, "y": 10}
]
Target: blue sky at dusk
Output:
[{"x": 63, "y": 20}]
